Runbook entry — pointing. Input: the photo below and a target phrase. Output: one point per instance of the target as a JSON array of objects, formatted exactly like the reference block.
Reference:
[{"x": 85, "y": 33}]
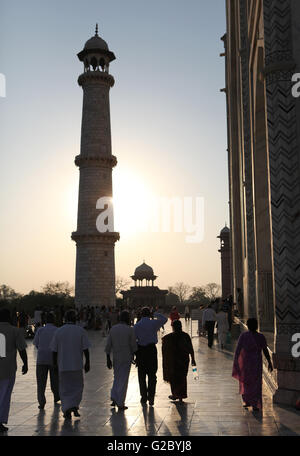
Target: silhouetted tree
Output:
[
  {"x": 62, "y": 289},
  {"x": 121, "y": 284},
  {"x": 198, "y": 297},
  {"x": 182, "y": 290},
  {"x": 7, "y": 293},
  {"x": 53, "y": 296},
  {"x": 212, "y": 290}
]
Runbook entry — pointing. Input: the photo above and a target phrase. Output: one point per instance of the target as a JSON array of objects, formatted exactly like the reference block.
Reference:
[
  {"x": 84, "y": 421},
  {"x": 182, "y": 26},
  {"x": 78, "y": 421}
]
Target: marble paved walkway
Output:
[{"x": 213, "y": 407}]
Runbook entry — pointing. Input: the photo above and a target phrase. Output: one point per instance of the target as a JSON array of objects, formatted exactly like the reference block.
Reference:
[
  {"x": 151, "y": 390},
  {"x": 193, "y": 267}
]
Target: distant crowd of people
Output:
[
  {"x": 218, "y": 314},
  {"x": 132, "y": 336},
  {"x": 89, "y": 318}
]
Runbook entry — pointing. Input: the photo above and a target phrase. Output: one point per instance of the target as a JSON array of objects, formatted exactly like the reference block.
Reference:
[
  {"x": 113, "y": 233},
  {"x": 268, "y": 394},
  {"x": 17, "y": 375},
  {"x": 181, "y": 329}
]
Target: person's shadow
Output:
[
  {"x": 53, "y": 428},
  {"x": 118, "y": 423},
  {"x": 40, "y": 422},
  {"x": 182, "y": 409},
  {"x": 148, "y": 414},
  {"x": 70, "y": 427}
]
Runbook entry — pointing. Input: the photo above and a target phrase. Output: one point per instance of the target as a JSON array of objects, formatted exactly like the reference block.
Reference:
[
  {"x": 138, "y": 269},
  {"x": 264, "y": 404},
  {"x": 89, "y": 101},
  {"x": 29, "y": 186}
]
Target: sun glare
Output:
[{"x": 132, "y": 202}]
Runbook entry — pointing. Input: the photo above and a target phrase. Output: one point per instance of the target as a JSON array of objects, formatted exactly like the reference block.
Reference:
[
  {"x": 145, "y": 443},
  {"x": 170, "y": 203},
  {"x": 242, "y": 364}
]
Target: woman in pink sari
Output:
[{"x": 247, "y": 365}]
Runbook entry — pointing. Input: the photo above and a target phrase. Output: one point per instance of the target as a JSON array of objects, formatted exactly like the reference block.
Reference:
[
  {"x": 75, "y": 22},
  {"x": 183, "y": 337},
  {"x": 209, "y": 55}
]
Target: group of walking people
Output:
[
  {"x": 59, "y": 353},
  {"x": 63, "y": 353},
  {"x": 137, "y": 345},
  {"x": 211, "y": 319}
]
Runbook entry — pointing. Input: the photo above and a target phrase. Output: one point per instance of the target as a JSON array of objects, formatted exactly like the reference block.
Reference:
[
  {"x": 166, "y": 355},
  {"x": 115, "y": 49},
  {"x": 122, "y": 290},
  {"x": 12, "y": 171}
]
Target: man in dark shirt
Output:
[
  {"x": 44, "y": 363},
  {"x": 146, "y": 356}
]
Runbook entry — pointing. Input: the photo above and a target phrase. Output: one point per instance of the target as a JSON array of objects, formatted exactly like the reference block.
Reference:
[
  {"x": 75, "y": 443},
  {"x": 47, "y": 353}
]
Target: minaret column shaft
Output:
[
  {"x": 95, "y": 263},
  {"x": 95, "y": 126}
]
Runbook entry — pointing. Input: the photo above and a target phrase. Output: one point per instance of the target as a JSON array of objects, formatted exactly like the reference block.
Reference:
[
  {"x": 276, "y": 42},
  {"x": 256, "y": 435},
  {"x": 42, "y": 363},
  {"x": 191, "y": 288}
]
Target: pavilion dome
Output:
[
  {"x": 96, "y": 43},
  {"x": 144, "y": 272}
]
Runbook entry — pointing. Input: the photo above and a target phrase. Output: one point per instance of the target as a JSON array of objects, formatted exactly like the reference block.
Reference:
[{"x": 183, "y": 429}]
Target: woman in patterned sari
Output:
[
  {"x": 247, "y": 365},
  {"x": 176, "y": 350}
]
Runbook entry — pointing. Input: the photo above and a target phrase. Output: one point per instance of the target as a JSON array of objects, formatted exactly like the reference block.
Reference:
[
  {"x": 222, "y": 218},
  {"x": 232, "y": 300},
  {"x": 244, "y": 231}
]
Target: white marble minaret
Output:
[{"x": 95, "y": 264}]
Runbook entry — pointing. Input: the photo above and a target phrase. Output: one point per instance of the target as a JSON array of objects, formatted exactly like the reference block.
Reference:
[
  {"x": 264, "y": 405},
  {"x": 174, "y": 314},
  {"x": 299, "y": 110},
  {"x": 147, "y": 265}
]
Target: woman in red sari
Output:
[
  {"x": 247, "y": 365},
  {"x": 176, "y": 350}
]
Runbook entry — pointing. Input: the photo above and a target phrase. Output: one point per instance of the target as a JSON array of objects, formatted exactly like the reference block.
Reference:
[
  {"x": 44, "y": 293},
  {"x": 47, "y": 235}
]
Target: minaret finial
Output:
[{"x": 96, "y": 31}]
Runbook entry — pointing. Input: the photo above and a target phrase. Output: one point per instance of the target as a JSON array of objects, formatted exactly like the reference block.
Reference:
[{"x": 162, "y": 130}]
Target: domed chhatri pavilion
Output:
[
  {"x": 144, "y": 294},
  {"x": 144, "y": 272}
]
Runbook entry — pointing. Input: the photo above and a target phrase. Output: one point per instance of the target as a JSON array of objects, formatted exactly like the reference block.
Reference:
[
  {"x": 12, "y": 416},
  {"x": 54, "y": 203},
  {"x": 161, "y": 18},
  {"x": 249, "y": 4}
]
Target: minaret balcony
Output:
[
  {"x": 96, "y": 77},
  {"x": 95, "y": 161},
  {"x": 95, "y": 238}
]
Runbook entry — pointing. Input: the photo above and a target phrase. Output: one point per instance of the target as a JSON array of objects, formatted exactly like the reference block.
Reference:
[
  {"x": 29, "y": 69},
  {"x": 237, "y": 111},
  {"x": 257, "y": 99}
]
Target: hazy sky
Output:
[{"x": 168, "y": 121}]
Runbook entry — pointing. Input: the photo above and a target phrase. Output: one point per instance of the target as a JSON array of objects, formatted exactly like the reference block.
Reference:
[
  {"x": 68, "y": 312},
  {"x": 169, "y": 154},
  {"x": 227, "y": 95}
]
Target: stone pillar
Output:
[
  {"x": 250, "y": 260},
  {"x": 264, "y": 283},
  {"x": 281, "y": 36},
  {"x": 95, "y": 264},
  {"x": 234, "y": 158}
]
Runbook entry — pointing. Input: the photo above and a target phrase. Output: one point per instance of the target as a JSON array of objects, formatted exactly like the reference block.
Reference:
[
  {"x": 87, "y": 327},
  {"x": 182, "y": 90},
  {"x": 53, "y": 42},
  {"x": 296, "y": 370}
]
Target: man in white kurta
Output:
[
  {"x": 208, "y": 322},
  {"x": 121, "y": 342},
  {"x": 11, "y": 340},
  {"x": 68, "y": 344},
  {"x": 223, "y": 327}
]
